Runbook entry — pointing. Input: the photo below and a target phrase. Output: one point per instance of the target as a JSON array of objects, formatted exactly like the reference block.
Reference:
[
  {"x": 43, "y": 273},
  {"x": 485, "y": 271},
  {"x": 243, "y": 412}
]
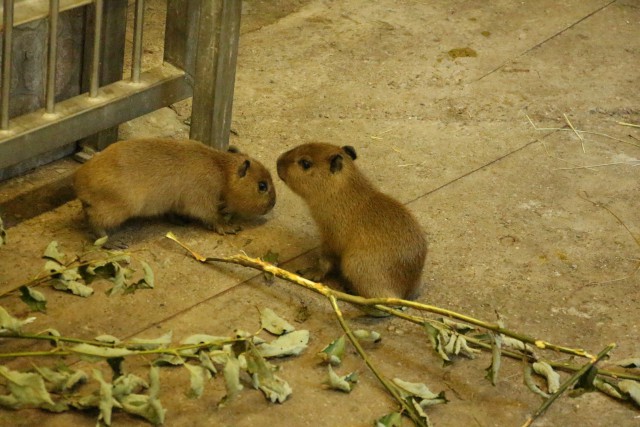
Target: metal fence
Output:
[{"x": 200, "y": 50}]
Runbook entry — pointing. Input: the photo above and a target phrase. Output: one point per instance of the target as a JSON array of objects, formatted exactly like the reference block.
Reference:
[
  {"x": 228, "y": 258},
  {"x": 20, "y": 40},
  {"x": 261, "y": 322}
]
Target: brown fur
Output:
[
  {"x": 371, "y": 240},
  {"x": 149, "y": 177}
]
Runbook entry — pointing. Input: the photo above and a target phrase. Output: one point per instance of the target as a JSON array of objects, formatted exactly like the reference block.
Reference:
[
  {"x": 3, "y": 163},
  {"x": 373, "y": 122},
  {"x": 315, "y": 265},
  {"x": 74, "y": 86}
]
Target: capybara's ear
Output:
[
  {"x": 350, "y": 151},
  {"x": 336, "y": 163},
  {"x": 244, "y": 167}
]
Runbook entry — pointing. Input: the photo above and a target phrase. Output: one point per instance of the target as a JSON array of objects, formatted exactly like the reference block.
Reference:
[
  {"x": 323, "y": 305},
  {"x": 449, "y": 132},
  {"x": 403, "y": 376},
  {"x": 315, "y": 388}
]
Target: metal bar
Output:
[
  {"x": 54, "y": 8},
  {"x": 219, "y": 34},
  {"x": 136, "y": 61},
  {"x": 94, "y": 83},
  {"x": 81, "y": 116},
  {"x": 29, "y": 11},
  {"x": 6, "y": 63}
]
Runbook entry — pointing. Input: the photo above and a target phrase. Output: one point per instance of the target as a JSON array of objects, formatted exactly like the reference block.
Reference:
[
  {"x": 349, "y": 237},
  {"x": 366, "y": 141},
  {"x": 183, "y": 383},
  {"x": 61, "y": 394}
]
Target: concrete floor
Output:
[{"x": 502, "y": 204}]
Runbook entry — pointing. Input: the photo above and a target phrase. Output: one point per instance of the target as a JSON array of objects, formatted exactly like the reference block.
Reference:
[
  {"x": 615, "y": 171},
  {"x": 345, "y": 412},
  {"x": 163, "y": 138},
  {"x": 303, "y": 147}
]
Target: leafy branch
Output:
[{"x": 448, "y": 338}]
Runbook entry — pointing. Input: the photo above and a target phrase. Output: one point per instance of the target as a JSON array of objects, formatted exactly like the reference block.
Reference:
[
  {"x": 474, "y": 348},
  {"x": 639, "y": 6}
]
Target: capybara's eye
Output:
[
  {"x": 263, "y": 186},
  {"x": 304, "y": 164}
]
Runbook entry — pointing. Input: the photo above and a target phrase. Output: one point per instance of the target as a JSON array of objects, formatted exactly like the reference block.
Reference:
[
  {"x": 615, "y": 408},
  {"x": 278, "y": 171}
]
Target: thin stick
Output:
[
  {"x": 628, "y": 124},
  {"x": 565, "y": 385},
  {"x": 409, "y": 409},
  {"x": 636, "y": 163},
  {"x": 575, "y": 131},
  {"x": 377, "y": 303}
]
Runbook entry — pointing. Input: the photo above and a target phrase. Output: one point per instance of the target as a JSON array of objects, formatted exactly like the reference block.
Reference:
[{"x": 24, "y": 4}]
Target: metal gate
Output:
[{"x": 200, "y": 50}]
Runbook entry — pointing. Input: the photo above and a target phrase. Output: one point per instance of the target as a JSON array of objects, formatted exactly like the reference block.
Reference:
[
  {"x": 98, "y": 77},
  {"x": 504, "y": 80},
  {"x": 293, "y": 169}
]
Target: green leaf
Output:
[
  {"x": 553, "y": 378},
  {"x": 147, "y": 407},
  {"x": 198, "y": 376},
  {"x": 632, "y": 389},
  {"x": 33, "y": 298},
  {"x": 53, "y": 267},
  {"x": 334, "y": 352},
  {"x": 290, "y": 344},
  {"x": 110, "y": 339},
  {"x": 436, "y": 336},
  {"x": 367, "y": 336},
  {"x": 128, "y": 384},
  {"x": 274, "y": 388},
  {"x": 52, "y": 253},
  {"x": 344, "y": 383},
  {"x": 273, "y": 323},
  {"x": 607, "y": 388},
  {"x": 528, "y": 380},
  {"x": 10, "y": 323},
  {"x": 393, "y": 419},
  {"x": 149, "y": 278},
  {"x": 27, "y": 390},
  {"x": 420, "y": 390}
]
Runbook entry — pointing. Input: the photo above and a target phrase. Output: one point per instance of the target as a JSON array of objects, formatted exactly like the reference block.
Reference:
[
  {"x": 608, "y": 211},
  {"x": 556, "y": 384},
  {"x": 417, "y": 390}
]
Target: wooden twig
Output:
[{"x": 575, "y": 131}]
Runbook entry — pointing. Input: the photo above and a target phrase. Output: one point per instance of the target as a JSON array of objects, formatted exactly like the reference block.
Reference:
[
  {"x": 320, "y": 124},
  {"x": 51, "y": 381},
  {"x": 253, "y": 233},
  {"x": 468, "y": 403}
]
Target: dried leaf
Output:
[
  {"x": 367, "y": 336},
  {"x": 198, "y": 375},
  {"x": 553, "y": 378},
  {"x": 52, "y": 253},
  {"x": 33, "y": 298},
  {"x": 26, "y": 390},
  {"x": 151, "y": 344},
  {"x": 393, "y": 419},
  {"x": 274, "y": 388},
  {"x": 273, "y": 323},
  {"x": 344, "y": 383},
  {"x": 290, "y": 344},
  {"x": 10, "y": 323},
  {"x": 334, "y": 352},
  {"x": 632, "y": 389}
]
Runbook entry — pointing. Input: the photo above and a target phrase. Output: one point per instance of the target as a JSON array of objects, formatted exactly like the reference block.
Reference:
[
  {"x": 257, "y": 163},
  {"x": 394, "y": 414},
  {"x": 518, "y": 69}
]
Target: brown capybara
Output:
[
  {"x": 369, "y": 240},
  {"x": 150, "y": 177}
]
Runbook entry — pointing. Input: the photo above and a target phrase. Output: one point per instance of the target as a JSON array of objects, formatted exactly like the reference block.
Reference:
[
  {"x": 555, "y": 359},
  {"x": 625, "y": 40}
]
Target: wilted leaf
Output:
[
  {"x": 528, "y": 380},
  {"x": 344, "y": 383},
  {"x": 3, "y": 234},
  {"x": 629, "y": 363},
  {"x": 273, "y": 323},
  {"x": 271, "y": 258},
  {"x": 108, "y": 339},
  {"x": 107, "y": 402},
  {"x": 607, "y": 388},
  {"x": 150, "y": 344},
  {"x": 127, "y": 384},
  {"x": 367, "y": 336},
  {"x": 52, "y": 252},
  {"x": 516, "y": 344},
  {"x": 393, "y": 419},
  {"x": 436, "y": 338},
  {"x": 147, "y": 407},
  {"x": 553, "y": 378},
  {"x": 274, "y": 388},
  {"x": 334, "y": 352},
  {"x": 61, "y": 380},
  {"x": 231, "y": 373},
  {"x": 96, "y": 351},
  {"x": 206, "y": 362},
  {"x": 148, "y": 279},
  {"x": 418, "y": 390},
  {"x": 27, "y": 390},
  {"x": 290, "y": 344},
  {"x": 631, "y": 388},
  {"x": 115, "y": 363},
  {"x": 494, "y": 368},
  {"x": 461, "y": 328},
  {"x": 120, "y": 279},
  {"x": 10, "y": 323},
  {"x": 33, "y": 298},
  {"x": 101, "y": 241},
  {"x": 73, "y": 286},
  {"x": 198, "y": 375}
]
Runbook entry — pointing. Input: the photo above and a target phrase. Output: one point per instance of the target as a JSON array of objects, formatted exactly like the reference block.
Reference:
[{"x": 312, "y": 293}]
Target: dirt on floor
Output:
[{"x": 505, "y": 127}]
